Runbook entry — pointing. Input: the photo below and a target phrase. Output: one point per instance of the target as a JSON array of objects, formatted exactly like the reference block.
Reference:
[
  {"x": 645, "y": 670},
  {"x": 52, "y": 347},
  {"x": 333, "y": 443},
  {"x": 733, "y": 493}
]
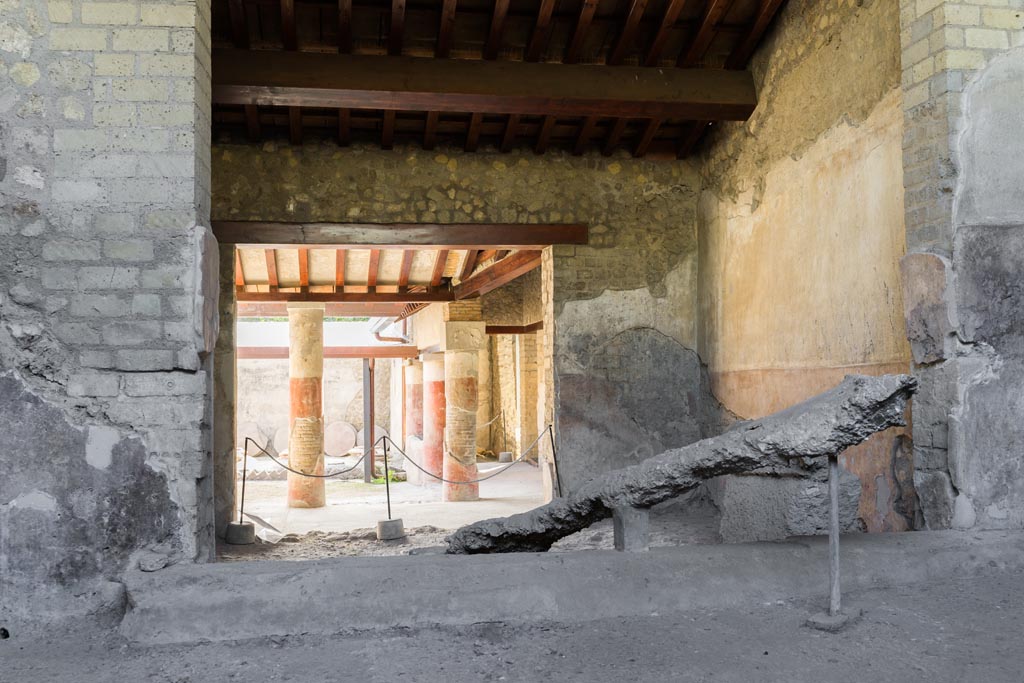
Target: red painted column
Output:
[
  {"x": 414, "y": 399},
  {"x": 306, "y": 416},
  {"x": 462, "y": 369},
  {"x": 433, "y": 413}
]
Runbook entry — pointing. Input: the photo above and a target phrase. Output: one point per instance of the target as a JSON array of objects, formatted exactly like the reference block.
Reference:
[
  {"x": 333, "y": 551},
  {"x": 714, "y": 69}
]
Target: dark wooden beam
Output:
[
  {"x": 713, "y": 13},
  {"x": 483, "y": 87},
  {"x": 344, "y": 26},
  {"x": 271, "y": 255},
  {"x": 281, "y": 352},
  {"x": 586, "y": 132},
  {"x": 288, "y": 34},
  {"x": 668, "y": 21},
  {"x": 500, "y": 273},
  {"x": 239, "y": 272},
  {"x": 514, "y": 329},
  {"x": 544, "y": 136},
  {"x": 614, "y": 136},
  {"x": 473, "y": 132},
  {"x": 403, "y": 273},
  {"x": 401, "y": 235},
  {"x": 429, "y": 296},
  {"x": 303, "y": 267},
  {"x": 397, "y": 27},
  {"x": 339, "y": 269},
  {"x": 430, "y": 130},
  {"x": 277, "y": 309},
  {"x": 511, "y": 128},
  {"x": 493, "y": 44},
  {"x": 295, "y": 125},
  {"x": 239, "y": 26},
  {"x": 252, "y": 122},
  {"x": 344, "y": 127},
  {"x": 439, "y": 263},
  {"x": 691, "y": 136},
  {"x": 469, "y": 264},
  {"x": 572, "y": 52},
  {"x": 541, "y": 31},
  {"x": 372, "y": 271},
  {"x": 741, "y": 53},
  {"x": 445, "y": 29},
  {"x": 627, "y": 36},
  {"x": 650, "y": 130},
  {"x": 387, "y": 133}
]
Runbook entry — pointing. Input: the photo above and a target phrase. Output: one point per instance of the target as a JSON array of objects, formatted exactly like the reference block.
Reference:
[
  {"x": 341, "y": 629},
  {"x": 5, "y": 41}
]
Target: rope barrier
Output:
[{"x": 303, "y": 474}]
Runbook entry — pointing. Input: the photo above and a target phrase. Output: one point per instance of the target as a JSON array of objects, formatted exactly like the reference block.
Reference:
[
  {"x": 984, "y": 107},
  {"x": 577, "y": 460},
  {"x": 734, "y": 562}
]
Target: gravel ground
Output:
[{"x": 938, "y": 632}]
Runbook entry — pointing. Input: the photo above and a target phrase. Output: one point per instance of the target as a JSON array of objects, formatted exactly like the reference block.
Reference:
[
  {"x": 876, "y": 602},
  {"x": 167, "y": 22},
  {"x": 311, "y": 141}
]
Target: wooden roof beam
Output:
[
  {"x": 628, "y": 34},
  {"x": 271, "y": 255},
  {"x": 483, "y": 87},
  {"x": 268, "y": 234},
  {"x": 713, "y": 13},
  {"x": 511, "y": 129},
  {"x": 493, "y": 44},
  {"x": 429, "y": 296},
  {"x": 445, "y": 29},
  {"x": 541, "y": 31},
  {"x": 406, "y": 268},
  {"x": 288, "y": 33},
  {"x": 239, "y": 25},
  {"x": 572, "y": 52},
  {"x": 469, "y": 264},
  {"x": 339, "y": 269},
  {"x": 439, "y": 263},
  {"x": 500, "y": 273},
  {"x": 397, "y": 27},
  {"x": 373, "y": 269},
  {"x": 742, "y": 52},
  {"x": 668, "y": 21}
]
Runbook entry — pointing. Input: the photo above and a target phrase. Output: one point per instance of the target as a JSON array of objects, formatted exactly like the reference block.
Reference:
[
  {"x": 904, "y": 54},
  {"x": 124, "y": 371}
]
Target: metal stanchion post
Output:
[{"x": 389, "y": 529}]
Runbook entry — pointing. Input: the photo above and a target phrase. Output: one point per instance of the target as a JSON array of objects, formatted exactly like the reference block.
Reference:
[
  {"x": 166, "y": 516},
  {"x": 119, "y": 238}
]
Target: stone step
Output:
[{"x": 240, "y": 600}]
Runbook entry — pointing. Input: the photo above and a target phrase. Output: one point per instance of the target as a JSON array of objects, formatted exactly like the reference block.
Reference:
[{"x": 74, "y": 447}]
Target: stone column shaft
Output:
[
  {"x": 414, "y": 399},
  {"x": 461, "y": 396},
  {"x": 306, "y": 418},
  {"x": 433, "y": 413}
]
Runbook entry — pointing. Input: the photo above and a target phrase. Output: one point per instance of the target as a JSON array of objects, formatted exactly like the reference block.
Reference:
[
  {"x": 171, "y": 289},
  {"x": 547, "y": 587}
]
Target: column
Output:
[
  {"x": 306, "y": 435},
  {"x": 414, "y": 399},
  {"x": 433, "y": 413},
  {"x": 462, "y": 369}
]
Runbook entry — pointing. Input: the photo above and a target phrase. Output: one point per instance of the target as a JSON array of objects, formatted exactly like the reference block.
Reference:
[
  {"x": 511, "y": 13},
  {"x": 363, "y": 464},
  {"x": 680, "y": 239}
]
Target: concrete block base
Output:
[
  {"x": 631, "y": 526},
  {"x": 390, "y": 530},
  {"x": 240, "y": 533},
  {"x": 834, "y": 623}
]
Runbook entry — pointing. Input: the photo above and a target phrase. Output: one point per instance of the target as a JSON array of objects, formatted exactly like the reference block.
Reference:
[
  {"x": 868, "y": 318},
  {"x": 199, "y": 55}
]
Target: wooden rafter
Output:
[
  {"x": 713, "y": 13},
  {"x": 303, "y": 267},
  {"x": 647, "y": 137},
  {"x": 428, "y": 296},
  {"x": 614, "y": 135},
  {"x": 742, "y": 52},
  {"x": 473, "y": 133},
  {"x": 406, "y": 269},
  {"x": 295, "y": 125},
  {"x": 499, "y": 274},
  {"x": 445, "y": 29},
  {"x": 344, "y": 127},
  {"x": 400, "y": 235},
  {"x": 239, "y": 271},
  {"x": 439, "y": 264},
  {"x": 273, "y": 309},
  {"x": 339, "y": 269},
  {"x": 239, "y": 27},
  {"x": 668, "y": 21},
  {"x": 387, "y": 133},
  {"x": 345, "y": 26},
  {"x": 288, "y": 33},
  {"x": 691, "y": 136},
  {"x": 544, "y": 136},
  {"x": 430, "y": 130},
  {"x": 397, "y": 27},
  {"x": 252, "y": 122},
  {"x": 541, "y": 31},
  {"x": 511, "y": 129},
  {"x": 271, "y": 255},
  {"x": 484, "y": 87},
  {"x": 373, "y": 269},
  {"x": 493, "y": 44},
  {"x": 579, "y": 34},
  {"x": 624, "y": 43},
  {"x": 583, "y": 137},
  {"x": 469, "y": 264}
]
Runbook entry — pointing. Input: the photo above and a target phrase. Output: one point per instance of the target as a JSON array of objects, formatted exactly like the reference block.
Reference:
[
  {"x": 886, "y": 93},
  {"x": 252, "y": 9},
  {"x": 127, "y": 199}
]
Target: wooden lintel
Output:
[
  {"x": 430, "y": 296},
  {"x": 278, "y": 352},
  {"x": 271, "y": 234},
  {"x": 514, "y": 329},
  {"x": 277, "y": 309},
  {"x": 316, "y": 79},
  {"x": 500, "y": 273}
]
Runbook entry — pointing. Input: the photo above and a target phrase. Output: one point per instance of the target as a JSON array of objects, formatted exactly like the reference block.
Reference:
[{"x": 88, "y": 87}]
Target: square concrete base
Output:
[
  {"x": 390, "y": 530},
  {"x": 834, "y": 623}
]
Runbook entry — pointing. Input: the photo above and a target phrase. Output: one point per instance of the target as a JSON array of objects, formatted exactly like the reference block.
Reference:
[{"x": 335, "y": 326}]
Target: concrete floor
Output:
[
  {"x": 939, "y": 631},
  {"x": 356, "y": 505}
]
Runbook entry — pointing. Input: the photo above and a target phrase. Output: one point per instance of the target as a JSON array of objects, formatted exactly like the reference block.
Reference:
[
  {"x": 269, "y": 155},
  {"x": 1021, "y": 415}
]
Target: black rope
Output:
[{"x": 303, "y": 474}]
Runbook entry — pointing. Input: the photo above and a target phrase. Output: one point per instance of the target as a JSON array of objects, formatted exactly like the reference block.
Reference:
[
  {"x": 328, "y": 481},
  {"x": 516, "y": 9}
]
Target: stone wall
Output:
[
  {"x": 108, "y": 298},
  {"x": 634, "y": 282},
  {"x": 963, "y": 173},
  {"x": 801, "y": 232}
]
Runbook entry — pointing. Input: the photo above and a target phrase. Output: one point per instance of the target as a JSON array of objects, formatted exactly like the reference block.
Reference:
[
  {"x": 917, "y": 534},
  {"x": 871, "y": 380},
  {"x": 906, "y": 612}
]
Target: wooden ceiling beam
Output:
[
  {"x": 239, "y": 24},
  {"x": 741, "y": 53},
  {"x": 445, "y": 29},
  {"x": 344, "y": 127},
  {"x": 572, "y": 51},
  {"x": 500, "y": 273},
  {"x": 252, "y": 122},
  {"x": 439, "y": 263},
  {"x": 511, "y": 129},
  {"x": 303, "y": 267},
  {"x": 339, "y": 269},
  {"x": 514, "y": 329},
  {"x": 624, "y": 43},
  {"x": 668, "y": 22},
  {"x": 397, "y": 27},
  {"x": 713, "y": 13},
  {"x": 295, "y": 125},
  {"x": 430, "y": 130},
  {"x": 541, "y": 31},
  {"x": 614, "y": 136},
  {"x": 428, "y": 296},
  {"x": 344, "y": 26},
  {"x": 473, "y": 132},
  {"x": 493, "y": 44},
  {"x": 271, "y": 255},
  {"x": 288, "y": 32},
  {"x": 373, "y": 269},
  {"x": 583, "y": 137},
  {"x": 239, "y": 271},
  {"x": 400, "y": 235},
  {"x": 469, "y": 264},
  {"x": 647, "y": 137},
  {"x": 691, "y": 136},
  {"x": 483, "y": 87},
  {"x": 387, "y": 132},
  {"x": 406, "y": 269},
  {"x": 277, "y": 309}
]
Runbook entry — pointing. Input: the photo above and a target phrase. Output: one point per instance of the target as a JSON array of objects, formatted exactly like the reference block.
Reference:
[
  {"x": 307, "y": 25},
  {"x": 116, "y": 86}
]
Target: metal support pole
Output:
[
  {"x": 387, "y": 477},
  {"x": 834, "y": 605},
  {"x": 368, "y": 418}
]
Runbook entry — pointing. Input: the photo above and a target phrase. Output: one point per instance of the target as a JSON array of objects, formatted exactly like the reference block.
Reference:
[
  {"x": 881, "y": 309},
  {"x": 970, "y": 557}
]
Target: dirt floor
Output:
[
  {"x": 938, "y": 632},
  {"x": 682, "y": 523}
]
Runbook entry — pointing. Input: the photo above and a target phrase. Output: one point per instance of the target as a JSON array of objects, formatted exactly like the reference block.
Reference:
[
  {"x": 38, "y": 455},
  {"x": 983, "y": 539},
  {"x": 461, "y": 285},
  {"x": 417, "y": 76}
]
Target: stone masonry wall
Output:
[
  {"x": 962, "y": 151},
  {"x": 636, "y": 278},
  {"x": 108, "y": 297}
]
